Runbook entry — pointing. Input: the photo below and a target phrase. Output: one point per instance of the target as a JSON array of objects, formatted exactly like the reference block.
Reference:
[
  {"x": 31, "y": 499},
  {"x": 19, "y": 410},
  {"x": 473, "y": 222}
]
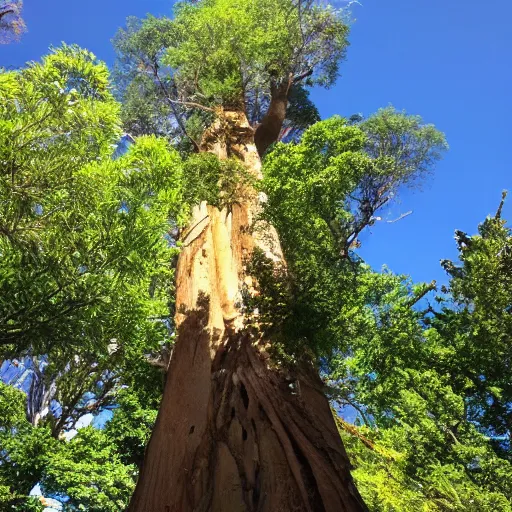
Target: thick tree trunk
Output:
[{"x": 235, "y": 432}]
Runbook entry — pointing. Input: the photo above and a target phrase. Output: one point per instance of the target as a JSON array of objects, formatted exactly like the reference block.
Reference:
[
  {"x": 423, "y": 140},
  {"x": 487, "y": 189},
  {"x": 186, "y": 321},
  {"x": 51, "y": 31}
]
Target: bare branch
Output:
[
  {"x": 500, "y": 207},
  {"x": 192, "y": 104},
  {"x": 400, "y": 218},
  {"x": 5, "y": 13}
]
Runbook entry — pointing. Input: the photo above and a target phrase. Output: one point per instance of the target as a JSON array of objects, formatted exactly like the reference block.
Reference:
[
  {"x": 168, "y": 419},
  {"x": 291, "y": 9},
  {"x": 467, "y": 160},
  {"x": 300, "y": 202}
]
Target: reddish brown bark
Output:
[
  {"x": 267, "y": 132},
  {"x": 235, "y": 432}
]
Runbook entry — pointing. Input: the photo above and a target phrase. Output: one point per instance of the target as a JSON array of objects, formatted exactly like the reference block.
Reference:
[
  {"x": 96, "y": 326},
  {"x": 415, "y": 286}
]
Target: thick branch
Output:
[
  {"x": 269, "y": 129},
  {"x": 352, "y": 430},
  {"x": 301, "y": 77}
]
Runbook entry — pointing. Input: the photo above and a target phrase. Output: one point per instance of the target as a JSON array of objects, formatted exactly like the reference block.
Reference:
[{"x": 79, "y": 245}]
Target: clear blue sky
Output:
[{"x": 449, "y": 61}]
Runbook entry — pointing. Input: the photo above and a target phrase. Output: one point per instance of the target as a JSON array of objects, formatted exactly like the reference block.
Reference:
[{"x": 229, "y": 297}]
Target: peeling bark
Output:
[{"x": 235, "y": 433}]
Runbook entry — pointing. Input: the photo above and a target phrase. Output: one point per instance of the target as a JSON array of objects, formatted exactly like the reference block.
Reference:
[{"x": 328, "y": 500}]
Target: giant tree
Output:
[
  {"x": 236, "y": 430},
  {"x": 244, "y": 423}
]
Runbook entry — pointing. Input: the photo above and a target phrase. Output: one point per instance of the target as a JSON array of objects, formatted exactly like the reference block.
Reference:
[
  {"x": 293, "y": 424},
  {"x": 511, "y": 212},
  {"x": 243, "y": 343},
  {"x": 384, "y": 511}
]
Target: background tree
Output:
[
  {"x": 427, "y": 440},
  {"x": 475, "y": 326},
  {"x": 86, "y": 269},
  {"x": 322, "y": 193},
  {"x": 143, "y": 83}
]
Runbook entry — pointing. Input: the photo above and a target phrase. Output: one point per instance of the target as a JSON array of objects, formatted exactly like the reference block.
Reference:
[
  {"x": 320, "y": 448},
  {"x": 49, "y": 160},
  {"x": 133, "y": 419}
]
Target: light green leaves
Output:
[
  {"x": 88, "y": 469},
  {"x": 80, "y": 233},
  {"x": 402, "y": 145},
  {"x": 86, "y": 269},
  {"x": 224, "y": 51}
]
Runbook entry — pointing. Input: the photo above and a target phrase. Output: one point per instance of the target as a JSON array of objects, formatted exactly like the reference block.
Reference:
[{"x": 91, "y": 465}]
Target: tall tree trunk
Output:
[{"x": 236, "y": 433}]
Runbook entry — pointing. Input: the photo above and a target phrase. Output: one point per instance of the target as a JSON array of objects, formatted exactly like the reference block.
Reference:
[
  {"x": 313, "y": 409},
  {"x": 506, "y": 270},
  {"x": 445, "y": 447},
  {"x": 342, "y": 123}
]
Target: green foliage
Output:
[
  {"x": 474, "y": 328},
  {"x": 11, "y": 407},
  {"x": 80, "y": 235},
  {"x": 219, "y": 182},
  {"x": 431, "y": 388},
  {"x": 402, "y": 146},
  {"x": 381, "y": 472},
  {"x": 301, "y": 112},
  {"x": 90, "y": 471},
  {"x": 143, "y": 39},
  {"x": 144, "y": 111},
  {"x": 322, "y": 193},
  {"x": 95, "y": 470},
  {"x": 22, "y": 456},
  {"x": 307, "y": 180},
  {"x": 273, "y": 304},
  {"x": 172, "y": 74},
  {"x": 130, "y": 428},
  {"x": 223, "y": 49},
  {"x": 87, "y": 270}
]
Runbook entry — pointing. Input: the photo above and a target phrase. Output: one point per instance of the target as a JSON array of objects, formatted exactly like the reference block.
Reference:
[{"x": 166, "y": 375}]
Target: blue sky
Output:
[{"x": 448, "y": 61}]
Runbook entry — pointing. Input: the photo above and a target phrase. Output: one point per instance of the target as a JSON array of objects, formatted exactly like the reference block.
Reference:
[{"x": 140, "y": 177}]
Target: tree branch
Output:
[
  {"x": 192, "y": 104},
  {"x": 400, "y": 218},
  {"x": 414, "y": 300},
  {"x": 300, "y": 77},
  {"x": 500, "y": 207},
  {"x": 5, "y": 13},
  {"x": 173, "y": 108},
  {"x": 267, "y": 132}
]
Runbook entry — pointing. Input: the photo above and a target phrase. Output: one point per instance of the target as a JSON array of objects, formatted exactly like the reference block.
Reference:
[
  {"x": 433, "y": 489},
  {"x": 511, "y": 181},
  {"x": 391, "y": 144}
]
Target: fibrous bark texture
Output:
[{"x": 236, "y": 432}]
